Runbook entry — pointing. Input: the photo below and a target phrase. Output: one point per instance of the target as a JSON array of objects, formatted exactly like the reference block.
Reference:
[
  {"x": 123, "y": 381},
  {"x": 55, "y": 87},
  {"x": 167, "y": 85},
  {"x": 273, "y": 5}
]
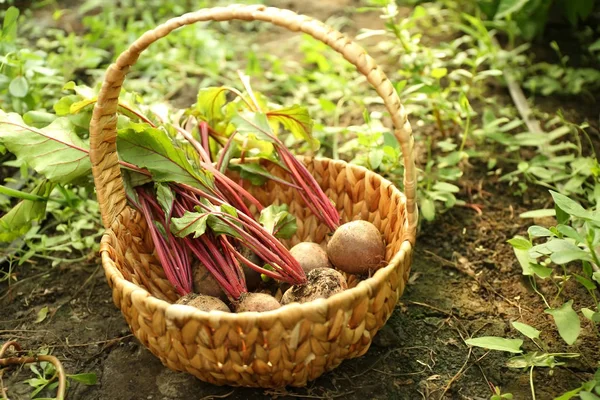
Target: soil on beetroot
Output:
[{"x": 465, "y": 282}]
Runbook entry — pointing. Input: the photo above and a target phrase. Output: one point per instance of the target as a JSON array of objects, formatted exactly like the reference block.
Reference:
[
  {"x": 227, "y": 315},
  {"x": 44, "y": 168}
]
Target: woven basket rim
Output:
[{"x": 179, "y": 311}]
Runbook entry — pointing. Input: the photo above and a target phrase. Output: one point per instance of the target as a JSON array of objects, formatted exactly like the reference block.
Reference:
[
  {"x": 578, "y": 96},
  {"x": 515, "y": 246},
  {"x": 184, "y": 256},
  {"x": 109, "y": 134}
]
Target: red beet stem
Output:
[
  {"x": 313, "y": 195},
  {"x": 176, "y": 268},
  {"x": 231, "y": 188}
]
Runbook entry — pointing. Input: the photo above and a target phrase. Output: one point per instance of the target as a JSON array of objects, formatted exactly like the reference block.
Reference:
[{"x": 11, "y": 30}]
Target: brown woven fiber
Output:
[{"x": 298, "y": 342}]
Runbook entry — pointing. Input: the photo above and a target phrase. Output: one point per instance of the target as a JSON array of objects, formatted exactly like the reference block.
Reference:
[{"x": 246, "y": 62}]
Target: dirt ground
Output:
[{"x": 465, "y": 282}]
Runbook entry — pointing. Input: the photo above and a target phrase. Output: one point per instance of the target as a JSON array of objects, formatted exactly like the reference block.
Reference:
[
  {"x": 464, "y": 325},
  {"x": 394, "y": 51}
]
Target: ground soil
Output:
[{"x": 465, "y": 282}]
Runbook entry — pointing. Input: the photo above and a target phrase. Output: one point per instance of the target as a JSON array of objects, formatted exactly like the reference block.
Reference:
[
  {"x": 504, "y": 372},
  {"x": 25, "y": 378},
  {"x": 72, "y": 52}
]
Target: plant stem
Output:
[
  {"x": 230, "y": 186},
  {"x": 594, "y": 255},
  {"x": 534, "y": 286},
  {"x": 531, "y": 383},
  {"x": 466, "y": 134}
]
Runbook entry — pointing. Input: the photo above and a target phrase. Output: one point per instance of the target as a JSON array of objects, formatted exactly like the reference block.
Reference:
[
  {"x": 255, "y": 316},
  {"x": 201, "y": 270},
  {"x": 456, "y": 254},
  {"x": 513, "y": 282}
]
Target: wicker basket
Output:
[{"x": 298, "y": 342}]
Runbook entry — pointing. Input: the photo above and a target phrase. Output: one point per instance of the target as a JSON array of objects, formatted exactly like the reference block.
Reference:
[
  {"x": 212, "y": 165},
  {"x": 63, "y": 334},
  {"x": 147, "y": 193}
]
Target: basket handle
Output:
[{"x": 103, "y": 132}]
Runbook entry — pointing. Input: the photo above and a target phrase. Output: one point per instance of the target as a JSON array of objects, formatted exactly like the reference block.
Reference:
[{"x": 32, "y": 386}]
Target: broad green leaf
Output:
[
  {"x": 538, "y": 231},
  {"x": 445, "y": 187},
  {"x": 63, "y": 105},
  {"x": 209, "y": 103},
  {"x": 563, "y": 251},
  {"x": 151, "y": 148},
  {"x": 278, "y": 221},
  {"x": 375, "y": 158},
  {"x": 572, "y": 207},
  {"x": 587, "y": 269},
  {"x": 591, "y": 315},
  {"x": 83, "y": 91},
  {"x": 18, "y": 220},
  {"x": 567, "y": 322},
  {"x": 522, "y": 248},
  {"x": 520, "y": 243},
  {"x": 133, "y": 179},
  {"x": 297, "y": 120},
  {"x": 569, "y": 232},
  {"x": 218, "y": 226},
  {"x": 88, "y": 378},
  {"x": 566, "y": 256},
  {"x": 427, "y": 208},
  {"x": 19, "y": 87},
  {"x": 547, "y": 212},
  {"x": 596, "y": 276},
  {"x": 9, "y": 27},
  {"x": 539, "y": 250},
  {"x": 526, "y": 330},
  {"x": 56, "y": 152},
  {"x": 524, "y": 261},
  {"x": 497, "y": 343},
  {"x": 36, "y": 382},
  {"x": 189, "y": 223},
  {"x": 161, "y": 228},
  {"x": 561, "y": 245},
  {"x": 254, "y": 124},
  {"x": 562, "y": 217},
  {"x": 228, "y": 209},
  {"x": 38, "y": 119},
  {"x": 541, "y": 271}
]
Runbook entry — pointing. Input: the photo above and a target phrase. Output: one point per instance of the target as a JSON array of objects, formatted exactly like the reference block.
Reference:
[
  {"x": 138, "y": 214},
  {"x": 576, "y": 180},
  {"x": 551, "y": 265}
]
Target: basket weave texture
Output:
[{"x": 298, "y": 342}]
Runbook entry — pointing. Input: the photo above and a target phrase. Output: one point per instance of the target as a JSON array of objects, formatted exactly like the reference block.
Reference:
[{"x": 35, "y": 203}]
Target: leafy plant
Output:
[
  {"x": 573, "y": 240},
  {"x": 46, "y": 377},
  {"x": 529, "y": 360}
]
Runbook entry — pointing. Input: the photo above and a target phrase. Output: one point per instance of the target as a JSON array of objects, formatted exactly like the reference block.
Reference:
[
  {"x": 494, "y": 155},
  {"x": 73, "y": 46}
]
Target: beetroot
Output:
[
  {"x": 357, "y": 248},
  {"x": 322, "y": 283},
  {"x": 259, "y": 302},
  {"x": 203, "y": 302},
  {"x": 310, "y": 256}
]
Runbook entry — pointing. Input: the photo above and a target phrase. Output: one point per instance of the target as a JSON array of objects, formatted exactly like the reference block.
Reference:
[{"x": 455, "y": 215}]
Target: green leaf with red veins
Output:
[
  {"x": 189, "y": 223},
  {"x": 151, "y": 148},
  {"x": 209, "y": 104},
  {"x": 56, "y": 152},
  {"x": 254, "y": 125},
  {"x": 297, "y": 121}
]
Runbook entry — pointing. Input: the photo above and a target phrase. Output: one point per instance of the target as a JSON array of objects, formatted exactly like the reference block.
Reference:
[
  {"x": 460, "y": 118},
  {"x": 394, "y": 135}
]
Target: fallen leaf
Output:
[{"x": 41, "y": 315}]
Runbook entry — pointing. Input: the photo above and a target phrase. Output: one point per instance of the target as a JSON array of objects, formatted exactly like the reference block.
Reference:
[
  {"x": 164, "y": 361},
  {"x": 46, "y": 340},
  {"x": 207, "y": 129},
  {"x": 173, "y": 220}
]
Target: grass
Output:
[{"x": 449, "y": 64}]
